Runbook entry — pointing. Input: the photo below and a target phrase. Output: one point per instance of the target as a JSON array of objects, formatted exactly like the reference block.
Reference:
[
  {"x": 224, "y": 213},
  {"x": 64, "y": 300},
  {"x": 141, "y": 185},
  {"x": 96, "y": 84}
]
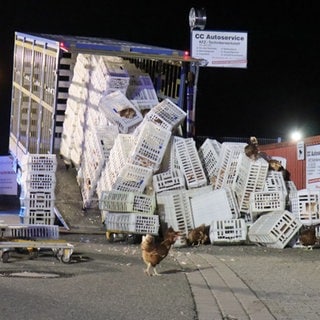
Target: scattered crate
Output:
[
  {"x": 274, "y": 229},
  {"x": 118, "y": 201},
  {"x": 166, "y": 114},
  {"x": 133, "y": 178},
  {"x": 227, "y": 164},
  {"x": 232, "y": 230},
  {"x": 213, "y": 205},
  {"x": 209, "y": 155},
  {"x": 150, "y": 147},
  {"x": 275, "y": 182},
  {"x": 306, "y": 206},
  {"x": 189, "y": 162},
  {"x": 169, "y": 180},
  {"x": 174, "y": 209},
  {"x": 265, "y": 201},
  {"x": 250, "y": 177},
  {"x": 132, "y": 223}
]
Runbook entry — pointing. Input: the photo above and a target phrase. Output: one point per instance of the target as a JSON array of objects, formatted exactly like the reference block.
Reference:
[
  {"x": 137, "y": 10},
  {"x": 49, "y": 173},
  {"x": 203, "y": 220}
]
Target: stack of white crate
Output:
[
  {"x": 124, "y": 211},
  {"x": 38, "y": 183},
  {"x": 73, "y": 125}
]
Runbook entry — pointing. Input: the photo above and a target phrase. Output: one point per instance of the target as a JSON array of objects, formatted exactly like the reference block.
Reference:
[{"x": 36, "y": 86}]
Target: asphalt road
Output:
[{"x": 102, "y": 281}]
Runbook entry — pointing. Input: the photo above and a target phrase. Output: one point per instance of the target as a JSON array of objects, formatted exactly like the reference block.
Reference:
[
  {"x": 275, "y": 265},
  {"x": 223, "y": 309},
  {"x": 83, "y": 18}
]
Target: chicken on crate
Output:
[{"x": 153, "y": 253}]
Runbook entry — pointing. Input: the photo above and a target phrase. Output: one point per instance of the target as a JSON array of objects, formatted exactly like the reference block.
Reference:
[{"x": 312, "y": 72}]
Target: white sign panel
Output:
[
  {"x": 8, "y": 178},
  {"x": 313, "y": 167},
  {"x": 220, "y": 49}
]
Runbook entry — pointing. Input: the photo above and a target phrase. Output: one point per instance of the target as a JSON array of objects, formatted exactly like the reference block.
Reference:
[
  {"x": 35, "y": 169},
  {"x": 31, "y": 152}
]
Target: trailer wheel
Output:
[
  {"x": 134, "y": 238},
  {"x": 66, "y": 259},
  {"x": 5, "y": 257}
]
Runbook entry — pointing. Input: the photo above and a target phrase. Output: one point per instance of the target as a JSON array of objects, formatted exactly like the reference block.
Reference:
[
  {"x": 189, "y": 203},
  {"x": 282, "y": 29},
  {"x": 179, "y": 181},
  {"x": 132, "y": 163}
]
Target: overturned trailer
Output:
[{"x": 43, "y": 66}]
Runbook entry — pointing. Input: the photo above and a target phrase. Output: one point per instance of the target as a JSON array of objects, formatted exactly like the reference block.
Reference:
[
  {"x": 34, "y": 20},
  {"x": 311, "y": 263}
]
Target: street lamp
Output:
[{"x": 296, "y": 135}]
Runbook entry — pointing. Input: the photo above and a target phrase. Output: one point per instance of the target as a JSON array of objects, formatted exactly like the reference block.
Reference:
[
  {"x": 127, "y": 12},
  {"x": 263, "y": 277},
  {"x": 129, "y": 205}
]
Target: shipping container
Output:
[{"x": 296, "y": 156}]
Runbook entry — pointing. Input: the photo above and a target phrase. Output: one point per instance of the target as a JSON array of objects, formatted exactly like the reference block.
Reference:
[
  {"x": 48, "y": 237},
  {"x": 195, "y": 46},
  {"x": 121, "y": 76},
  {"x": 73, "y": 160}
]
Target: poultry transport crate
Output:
[
  {"x": 209, "y": 153},
  {"x": 274, "y": 229},
  {"x": 305, "y": 206},
  {"x": 232, "y": 230},
  {"x": 264, "y": 201},
  {"x": 39, "y": 162},
  {"x": 132, "y": 223},
  {"x": 120, "y": 201},
  {"x": 168, "y": 180},
  {"x": 166, "y": 114},
  {"x": 29, "y": 231},
  {"x": 189, "y": 162},
  {"x": 218, "y": 204}
]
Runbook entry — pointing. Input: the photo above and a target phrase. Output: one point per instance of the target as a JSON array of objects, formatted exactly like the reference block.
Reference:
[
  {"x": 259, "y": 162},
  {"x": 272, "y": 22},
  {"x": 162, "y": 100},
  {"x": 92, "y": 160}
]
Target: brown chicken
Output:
[
  {"x": 308, "y": 237},
  {"x": 153, "y": 253},
  {"x": 198, "y": 235}
]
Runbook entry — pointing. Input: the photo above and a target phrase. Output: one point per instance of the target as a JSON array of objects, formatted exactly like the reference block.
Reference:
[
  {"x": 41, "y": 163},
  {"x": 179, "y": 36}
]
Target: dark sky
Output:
[{"x": 277, "y": 92}]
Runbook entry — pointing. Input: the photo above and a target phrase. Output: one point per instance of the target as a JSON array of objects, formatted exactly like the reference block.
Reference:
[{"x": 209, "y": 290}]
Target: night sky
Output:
[{"x": 278, "y": 91}]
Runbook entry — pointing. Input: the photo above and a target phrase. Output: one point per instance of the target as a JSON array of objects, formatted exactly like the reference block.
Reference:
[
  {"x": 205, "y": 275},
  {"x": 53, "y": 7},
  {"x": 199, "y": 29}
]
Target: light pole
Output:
[{"x": 197, "y": 21}]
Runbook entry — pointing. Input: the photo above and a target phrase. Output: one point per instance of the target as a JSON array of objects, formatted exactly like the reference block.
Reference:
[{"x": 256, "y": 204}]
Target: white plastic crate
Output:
[
  {"x": 189, "y": 162},
  {"x": 232, "y": 230},
  {"x": 150, "y": 147},
  {"x": 169, "y": 180},
  {"x": 209, "y": 155},
  {"x": 306, "y": 206},
  {"x": 264, "y": 201},
  {"x": 275, "y": 182},
  {"x": 133, "y": 178},
  {"x": 250, "y": 177},
  {"x": 119, "y": 201},
  {"x": 30, "y": 231},
  {"x": 38, "y": 200},
  {"x": 39, "y": 162},
  {"x": 39, "y": 216},
  {"x": 38, "y": 186},
  {"x": 274, "y": 229},
  {"x": 212, "y": 205},
  {"x": 227, "y": 164},
  {"x": 120, "y": 111},
  {"x": 142, "y": 91},
  {"x": 132, "y": 223},
  {"x": 174, "y": 209},
  {"x": 166, "y": 114}
]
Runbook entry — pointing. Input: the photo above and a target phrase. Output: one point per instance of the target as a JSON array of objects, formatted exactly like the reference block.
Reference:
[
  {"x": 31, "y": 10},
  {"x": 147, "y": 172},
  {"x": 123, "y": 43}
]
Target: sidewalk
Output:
[{"x": 251, "y": 282}]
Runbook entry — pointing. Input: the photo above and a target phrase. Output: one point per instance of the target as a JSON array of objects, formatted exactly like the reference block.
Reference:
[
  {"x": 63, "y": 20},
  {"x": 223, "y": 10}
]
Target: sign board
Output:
[
  {"x": 8, "y": 178},
  {"x": 220, "y": 49},
  {"x": 313, "y": 167},
  {"x": 300, "y": 150}
]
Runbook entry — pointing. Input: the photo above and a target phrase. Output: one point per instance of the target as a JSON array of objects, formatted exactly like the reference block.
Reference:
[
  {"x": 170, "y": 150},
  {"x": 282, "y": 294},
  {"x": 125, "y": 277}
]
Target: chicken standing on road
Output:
[{"x": 153, "y": 253}]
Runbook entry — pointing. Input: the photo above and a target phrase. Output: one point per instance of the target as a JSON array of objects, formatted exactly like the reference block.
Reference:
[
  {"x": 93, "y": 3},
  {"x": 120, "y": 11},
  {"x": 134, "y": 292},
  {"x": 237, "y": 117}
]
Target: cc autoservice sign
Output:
[{"x": 220, "y": 49}]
